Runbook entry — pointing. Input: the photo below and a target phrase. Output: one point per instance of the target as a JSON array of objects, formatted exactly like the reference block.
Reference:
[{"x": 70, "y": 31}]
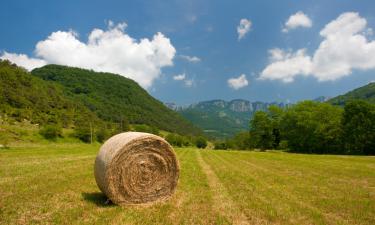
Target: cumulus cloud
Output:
[
  {"x": 238, "y": 82},
  {"x": 243, "y": 28},
  {"x": 344, "y": 48},
  {"x": 286, "y": 65},
  {"x": 192, "y": 59},
  {"x": 23, "y": 60},
  {"x": 298, "y": 19},
  {"x": 110, "y": 50},
  {"x": 179, "y": 76}
]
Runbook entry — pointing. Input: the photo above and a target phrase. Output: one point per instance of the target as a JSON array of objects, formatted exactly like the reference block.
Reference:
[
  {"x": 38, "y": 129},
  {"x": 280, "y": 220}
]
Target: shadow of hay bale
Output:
[{"x": 97, "y": 198}]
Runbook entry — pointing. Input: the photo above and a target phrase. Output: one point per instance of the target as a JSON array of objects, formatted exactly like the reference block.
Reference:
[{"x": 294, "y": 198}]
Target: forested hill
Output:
[
  {"x": 366, "y": 93},
  {"x": 114, "y": 98},
  {"x": 23, "y": 96}
]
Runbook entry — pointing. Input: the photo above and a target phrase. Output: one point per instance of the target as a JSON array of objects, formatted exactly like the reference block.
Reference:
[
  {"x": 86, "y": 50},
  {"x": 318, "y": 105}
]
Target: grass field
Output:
[{"x": 54, "y": 184}]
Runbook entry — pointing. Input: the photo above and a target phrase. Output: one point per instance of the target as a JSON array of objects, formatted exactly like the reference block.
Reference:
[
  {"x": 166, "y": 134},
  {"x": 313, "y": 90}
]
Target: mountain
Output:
[
  {"x": 321, "y": 99},
  {"x": 223, "y": 119},
  {"x": 114, "y": 98},
  {"x": 23, "y": 96},
  {"x": 366, "y": 93}
]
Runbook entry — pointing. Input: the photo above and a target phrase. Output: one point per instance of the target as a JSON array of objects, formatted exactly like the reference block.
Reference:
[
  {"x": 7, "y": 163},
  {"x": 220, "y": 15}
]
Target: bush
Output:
[
  {"x": 102, "y": 135},
  {"x": 51, "y": 132},
  {"x": 174, "y": 139},
  {"x": 83, "y": 134},
  {"x": 201, "y": 142},
  {"x": 283, "y": 145},
  {"x": 220, "y": 146},
  {"x": 178, "y": 140}
]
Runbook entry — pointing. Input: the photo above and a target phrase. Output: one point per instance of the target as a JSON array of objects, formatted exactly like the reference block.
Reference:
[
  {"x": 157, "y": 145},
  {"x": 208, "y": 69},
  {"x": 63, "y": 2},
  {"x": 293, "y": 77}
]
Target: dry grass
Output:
[{"x": 54, "y": 184}]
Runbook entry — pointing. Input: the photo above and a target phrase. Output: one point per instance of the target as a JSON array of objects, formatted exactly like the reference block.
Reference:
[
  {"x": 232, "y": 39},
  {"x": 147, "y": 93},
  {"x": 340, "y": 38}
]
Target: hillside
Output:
[
  {"x": 114, "y": 98},
  {"x": 366, "y": 93},
  {"x": 222, "y": 119},
  {"x": 23, "y": 96}
]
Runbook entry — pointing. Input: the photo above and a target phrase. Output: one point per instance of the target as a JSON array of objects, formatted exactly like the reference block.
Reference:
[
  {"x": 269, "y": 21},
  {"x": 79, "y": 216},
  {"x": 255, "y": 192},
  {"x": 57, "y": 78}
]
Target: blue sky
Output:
[{"x": 198, "y": 49}]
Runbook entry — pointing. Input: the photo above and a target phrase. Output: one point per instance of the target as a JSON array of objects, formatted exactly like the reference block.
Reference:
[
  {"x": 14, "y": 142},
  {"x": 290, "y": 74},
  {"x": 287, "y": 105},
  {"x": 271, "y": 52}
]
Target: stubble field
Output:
[{"x": 54, "y": 184}]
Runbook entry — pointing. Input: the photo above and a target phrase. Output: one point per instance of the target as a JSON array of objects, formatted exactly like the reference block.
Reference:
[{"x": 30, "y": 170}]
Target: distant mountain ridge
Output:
[{"x": 221, "y": 119}]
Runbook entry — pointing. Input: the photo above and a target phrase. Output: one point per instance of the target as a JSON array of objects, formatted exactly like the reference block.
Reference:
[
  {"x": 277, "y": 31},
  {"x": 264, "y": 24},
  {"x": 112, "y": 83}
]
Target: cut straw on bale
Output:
[{"x": 136, "y": 168}]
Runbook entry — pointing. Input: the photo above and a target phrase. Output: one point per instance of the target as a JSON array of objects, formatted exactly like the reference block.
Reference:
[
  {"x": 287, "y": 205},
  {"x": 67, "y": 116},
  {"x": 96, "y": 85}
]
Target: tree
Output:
[
  {"x": 275, "y": 114},
  {"x": 51, "y": 132},
  {"x": 261, "y": 130},
  {"x": 201, "y": 142},
  {"x": 312, "y": 127},
  {"x": 124, "y": 125},
  {"x": 358, "y": 124},
  {"x": 220, "y": 145},
  {"x": 102, "y": 134},
  {"x": 242, "y": 141},
  {"x": 174, "y": 139},
  {"x": 84, "y": 129}
]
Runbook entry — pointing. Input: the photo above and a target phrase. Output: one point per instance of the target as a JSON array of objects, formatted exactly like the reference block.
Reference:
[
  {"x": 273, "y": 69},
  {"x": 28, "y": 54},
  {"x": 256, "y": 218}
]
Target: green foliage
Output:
[
  {"x": 124, "y": 125},
  {"x": 313, "y": 127},
  {"x": 366, "y": 93},
  {"x": 261, "y": 130},
  {"x": 51, "y": 132},
  {"x": 146, "y": 129},
  {"x": 84, "y": 133},
  {"x": 201, "y": 142},
  {"x": 275, "y": 114},
  {"x": 102, "y": 134},
  {"x": 358, "y": 124},
  {"x": 179, "y": 140},
  {"x": 241, "y": 141},
  {"x": 220, "y": 145},
  {"x": 174, "y": 139},
  {"x": 25, "y": 97},
  {"x": 113, "y": 98}
]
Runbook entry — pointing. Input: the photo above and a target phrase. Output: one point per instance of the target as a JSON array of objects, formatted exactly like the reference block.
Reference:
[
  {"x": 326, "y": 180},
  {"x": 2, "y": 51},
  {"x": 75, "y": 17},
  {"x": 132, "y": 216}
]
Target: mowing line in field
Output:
[
  {"x": 328, "y": 216},
  {"x": 223, "y": 204}
]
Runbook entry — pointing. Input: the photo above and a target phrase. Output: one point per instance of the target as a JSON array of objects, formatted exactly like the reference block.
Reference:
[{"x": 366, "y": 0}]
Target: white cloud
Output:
[
  {"x": 182, "y": 77},
  {"x": 286, "y": 65},
  {"x": 23, "y": 60},
  {"x": 239, "y": 82},
  {"x": 343, "y": 49},
  {"x": 179, "y": 76},
  {"x": 193, "y": 59},
  {"x": 110, "y": 50},
  {"x": 298, "y": 19},
  {"x": 189, "y": 82},
  {"x": 243, "y": 28}
]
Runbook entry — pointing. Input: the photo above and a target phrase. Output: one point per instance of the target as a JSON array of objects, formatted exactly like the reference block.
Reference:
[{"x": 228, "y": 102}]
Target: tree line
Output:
[{"x": 311, "y": 127}]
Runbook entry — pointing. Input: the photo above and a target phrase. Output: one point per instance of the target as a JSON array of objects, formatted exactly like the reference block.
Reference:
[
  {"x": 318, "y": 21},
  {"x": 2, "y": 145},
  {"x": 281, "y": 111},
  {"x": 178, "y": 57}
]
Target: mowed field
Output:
[{"x": 54, "y": 184}]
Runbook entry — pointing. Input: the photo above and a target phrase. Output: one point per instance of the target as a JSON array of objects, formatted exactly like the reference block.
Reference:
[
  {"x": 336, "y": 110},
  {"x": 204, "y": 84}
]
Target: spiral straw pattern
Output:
[{"x": 136, "y": 168}]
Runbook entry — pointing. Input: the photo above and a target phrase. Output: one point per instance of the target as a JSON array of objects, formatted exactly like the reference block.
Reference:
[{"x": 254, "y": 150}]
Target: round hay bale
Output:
[{"x": 136, "y": 168}]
